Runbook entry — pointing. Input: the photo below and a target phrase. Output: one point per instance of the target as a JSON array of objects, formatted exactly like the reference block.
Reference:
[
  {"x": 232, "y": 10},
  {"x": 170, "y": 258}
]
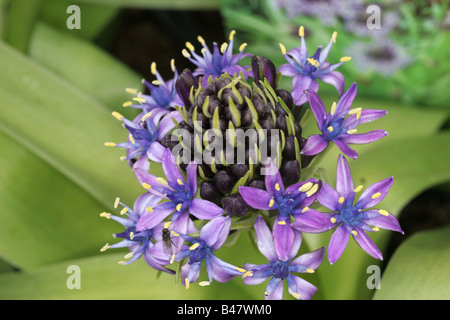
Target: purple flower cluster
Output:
[{"x": 173, "y": 223}]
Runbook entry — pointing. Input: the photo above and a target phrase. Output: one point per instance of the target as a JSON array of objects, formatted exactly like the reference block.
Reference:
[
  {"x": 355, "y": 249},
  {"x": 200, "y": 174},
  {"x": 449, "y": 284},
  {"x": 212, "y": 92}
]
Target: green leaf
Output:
[
  {"x": 45, "y": 217},
  {"x": 419, "y": 269},
  {"x": 84, "y": 65},
  {"x": 64, "y": 127}
]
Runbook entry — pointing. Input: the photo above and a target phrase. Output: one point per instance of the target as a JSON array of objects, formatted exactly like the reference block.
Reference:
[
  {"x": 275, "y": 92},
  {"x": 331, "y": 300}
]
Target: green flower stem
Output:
[{"x": 314, "y": 165}]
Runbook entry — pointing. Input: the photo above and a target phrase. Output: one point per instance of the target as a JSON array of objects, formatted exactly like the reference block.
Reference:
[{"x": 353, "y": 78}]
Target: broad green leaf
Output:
[
  {"x": 160, "y": 4},
  {"x": 45, "y": 217},
  {"x": 64, "y": 127},
  {"x": 84, "y": 65},
  {"x": 417, "y": 163},
  {"x": 419, "y": 269}
]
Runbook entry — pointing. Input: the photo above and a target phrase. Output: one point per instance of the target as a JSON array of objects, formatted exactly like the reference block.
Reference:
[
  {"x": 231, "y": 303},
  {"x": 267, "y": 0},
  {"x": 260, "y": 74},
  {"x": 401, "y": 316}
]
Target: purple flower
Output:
[
  {"x": 220, "y": 61},
  {"x": 281, "y": 266},
  {"x": 163, "y": 94},
  {"x": 212, "y": 236},
  {"x": 336, "y": 127},
  {"x": 141, "y": 243},
  {"x": 145, "y": 133},
  {"x": 355, "y": 218},
  {"x": 306, "y": 70},
  {"x": 181, "y": 196},
  {"x": 293, "y": 202}
]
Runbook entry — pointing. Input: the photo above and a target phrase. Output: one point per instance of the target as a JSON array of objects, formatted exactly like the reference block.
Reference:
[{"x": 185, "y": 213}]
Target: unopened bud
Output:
[
  {"x": 264, "y": 68},
  {"x": 290, "y": 172},
  {"x": 184, "y": 83},
  {"x": 235, "y": 205}
]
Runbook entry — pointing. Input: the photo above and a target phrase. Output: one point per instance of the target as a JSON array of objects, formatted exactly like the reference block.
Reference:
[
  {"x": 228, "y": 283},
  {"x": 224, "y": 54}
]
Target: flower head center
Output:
[{"x": 280, "y": 269}]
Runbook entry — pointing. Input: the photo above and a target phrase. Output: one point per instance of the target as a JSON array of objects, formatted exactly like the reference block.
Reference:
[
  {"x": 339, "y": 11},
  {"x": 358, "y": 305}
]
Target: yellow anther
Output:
[
  {"x": 282, "y": 223},
  {"x": 175, "y": 234},
  {"x": 129, "y": 255},
  {"x": 172, "y": 65},
  {"x": 223, "y": 47},
  {"x": 271, "y": 203},
  {"x": 232, "y": 33},
  {"x": 277, "y": 187},
  {"x": 354, "y": 232},
  {"x": 301, "y": 31},
  {"x": 122, "y": 263},
  {"x": 172, "y": 259},
  {"x": 241, "y": 270},
  {"x": 376, "y": 229},
  {"x": 194, "y": 246},
  {"x": 358, "y": 188},
  {"x": 334, "y": 36},
  {"x": 242, "y": 46},
  {"x": 313, "y": 190},
  {"x": 330, "y": 128},
  {"x": 153, "y": 68},
  {"x": 131, "y": 90},
  {"x": 333, "y": 220},
  {"x": 383, "y": 212},
  {"x": 180, "y": 182},
  {"x": 105, "y": 247},
  {"x": 131, "y": 235},
  {"x": 149, "y": 209},
  {"x": 376, "y": 195},
  {"x": 305, "y": 209},
  {"x": 157, "y": 82},
  {"x": 344, "y": 59},
  {"x": 305, "y": 187},
  {"x": 190, "y": 46},
  {"x": 352, "y": 131},
  {"x": 179, "y": 206},
  {"x": 333, "y": 108},
  {"x": 127, "y": 104},
  {"x": 309, "y": 270},
  {"x": 201, "y": 40},
  {"x": 313, "y": 62},
  {"x": 123, "y": 158},
  {"x": 162, "y": 181},
  {"x": 106, "y": 215},
  {"x": 146, "y": 116},
  {"x": 116, "y": 202},
  {"x": 167, "y": 224},
  {"x": 247, "y": 274},
  {"x": 186, "y": 282},
  {"x": 185, "y": 53},
  {"x": 110, "y": 144},
  {"x": 283, "y": 49},
  {"x": 124, "y": 210},
  {"x": 296, "y": 295},
  {"x": 341, "y": 200},
  {"x": 204, "y": 283},
  {"x": 131, "y": 138},
  {"x": 117, "y": 115},
  {"x": 146, "y": 186}
]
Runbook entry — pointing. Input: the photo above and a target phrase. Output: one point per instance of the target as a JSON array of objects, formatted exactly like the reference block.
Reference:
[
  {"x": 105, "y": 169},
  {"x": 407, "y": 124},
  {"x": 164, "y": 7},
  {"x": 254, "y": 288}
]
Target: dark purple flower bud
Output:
[
  {"x": 289, "y": 148},
  {"x": 224, "y": 181},
  {"x": 264, "y": 68},
  {"x": 258, "y": 184},
  {"x": 185, "y": 82},
  {"x": 286, "y": 97},
  {"x": 234, "y": 205},
  {"x": 239, "y": 170},
  {"x": 209, "y": 191},
  {"x": 290, "y": 171}
]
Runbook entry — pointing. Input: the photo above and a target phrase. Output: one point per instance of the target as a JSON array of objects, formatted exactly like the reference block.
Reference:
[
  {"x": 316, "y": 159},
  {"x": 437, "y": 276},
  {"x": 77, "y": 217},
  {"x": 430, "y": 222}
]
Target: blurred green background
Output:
[{"x": 58, "y": 87}]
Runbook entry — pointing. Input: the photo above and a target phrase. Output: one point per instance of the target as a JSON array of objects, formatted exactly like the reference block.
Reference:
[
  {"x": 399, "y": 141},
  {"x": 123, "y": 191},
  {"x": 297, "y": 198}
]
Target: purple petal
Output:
[
  {"x": 256, "y": 198},
  {"x": 260, "y": 273},
  {"x": 274, "y": 183},
  {"x": 145, "y": 200},
  {"x": 336, "y": 79},
  {"x": 191, "y": 174},
  {"x": 344, "y": 181},
  {"x": 167, "y": 124},
  {"x": 328, "y": 197},
  {"x": 215, "y": 232},
  {"x": 364, "y": 241},
  {"x": 274, "y": 289},
  {"x": 337, "y": 244},
  {"x": 190, "y": 271},
  {"x": 204, "y": 209},
  {"x": 221, "y": 271},
  {"x": 346, "y": 101},
  {"x": 317, "y": 108},
  {"x": 149, "y": 220},
  {"x": 265, "y": 239},
  {"x": 301, "y": 83},
  {"x": 367, "y": 115},
  {"x": 311, "y": 221},
  {"x": 388, "y": 222},
  {"x": 287, "y": 70},
  {"x": 315, "y": 144},
  {"x": 155, "y": 152},
  {"x": 374, "y": 194},
  {"x": 295, "y": 244},
  {"x": 283, "y": 237},
  {"x": 305, "y": 289},
  {"x": 364, "y": 138},
  {"x": 170, "y": 168},
  {"x": 343, "y": 146},
  {"x": 311, "y": 260}
]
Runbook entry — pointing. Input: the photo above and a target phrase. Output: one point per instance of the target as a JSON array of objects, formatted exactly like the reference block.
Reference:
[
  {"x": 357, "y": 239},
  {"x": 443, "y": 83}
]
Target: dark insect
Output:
[{"x": 167, "y": 240}]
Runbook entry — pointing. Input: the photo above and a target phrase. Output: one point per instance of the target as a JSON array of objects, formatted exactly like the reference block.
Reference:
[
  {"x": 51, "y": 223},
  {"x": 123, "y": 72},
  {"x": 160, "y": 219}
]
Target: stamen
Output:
[
  {"x": 179, "y": 206},
  {"x": 376, "y": 195},
  {"x": 185, "y": 53},
  {"x": 194, "y": 246},
  {"x": 232, "y": 33},
  {"x": 117, "y": 115},
  {"x": 157, "y": 82},
  {"x": 309, "y": 270},
  {"x": 186, "y": 282},
  {"x": 313, "y": 190},
  {"x": 283, "y": 49},
  {"x": 358, "y": 188},
  {"x": 223, "y": 47},
  {"x": 301, "y": 31},
  {"x": 333, "y": 108},
  {"x": 122, "y": 263},
  {"x": 376, "y": 229},
  {"x": 172, "y": 259},
  {"x": 190, "y": 46},
  {"x": 305, "y": 187},
  {"x": 201, "y": 40},
  {"x": 354, "y": 232},
  {"x": 271, "y": 203},
  {"x": 330, "y": 129},
  {"x": 116, "y": 202},
  {"x": 153, "y": 68},
  {"x": 105, "y": 247},
  {"x": 305, "y": 209},
  {"x": 241, "y": 270},
  {"x": 383, "y": 212},
  {"x": 296, "y": 295},
  {"x": 149, "y": 209},
  {"x": 175, "y": 234},
  {"x": 282, "y": 223},
  {"x": 242, "y": 46},
  {"x": 131, "y": 90},
  {"x": 313, "y": 62},
  {"x": 334, "y": 36},
  {"x": 352, "y": 131},
  {"x": 124, "y": 210},
  {"x": 162, "y": 181},
  {"x": 130, "y": 136},
  {"x": 127, "y": 104},
  {"x": 172, "y": 65},
  {"x": 247, "y": 274},
  {"x": 167, "y": 224},
  {"x": 204, "y": 283},
  {"x": 110, "y": 144},
  {"x": 131, "y": 235},
  {"x": 129, "y": 255},
  {"x": 106, "y": 215},
  {"x": 344, "y": 59},
  {"x": 180, "y": 182},
  {"x": 146, "y": 116},
  {"x": 277, "y": 187},
  {"x": 341, "y": 200},
  {"x": 333, "y": 220}
]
